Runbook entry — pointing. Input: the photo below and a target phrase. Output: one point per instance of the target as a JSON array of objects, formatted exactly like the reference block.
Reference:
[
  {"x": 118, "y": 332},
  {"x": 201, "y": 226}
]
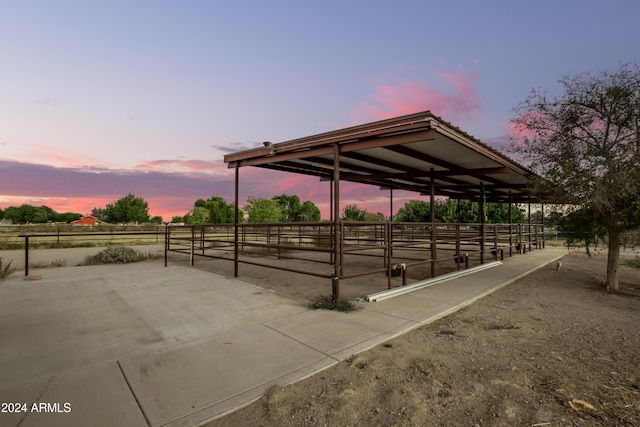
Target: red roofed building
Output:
[{"x": 86, "y": 220}]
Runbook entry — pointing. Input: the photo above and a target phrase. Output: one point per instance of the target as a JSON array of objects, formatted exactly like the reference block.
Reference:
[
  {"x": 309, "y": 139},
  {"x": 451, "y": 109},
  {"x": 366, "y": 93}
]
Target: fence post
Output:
[
  {"x": 26, "y": 256},
  {"x": 193, "y": 237}
]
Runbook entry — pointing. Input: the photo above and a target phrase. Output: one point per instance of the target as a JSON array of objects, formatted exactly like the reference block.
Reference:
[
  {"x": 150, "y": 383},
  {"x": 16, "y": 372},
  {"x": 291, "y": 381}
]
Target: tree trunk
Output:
[{"x": 613, "y": 257}]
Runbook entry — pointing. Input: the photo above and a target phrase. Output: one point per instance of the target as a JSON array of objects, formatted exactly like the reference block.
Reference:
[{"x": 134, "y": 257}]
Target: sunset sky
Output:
[{"x": 102, "y": 99}]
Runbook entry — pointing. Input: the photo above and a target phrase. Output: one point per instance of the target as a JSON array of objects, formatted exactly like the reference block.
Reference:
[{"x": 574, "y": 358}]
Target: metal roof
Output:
[{"x": 402, "y": 153}]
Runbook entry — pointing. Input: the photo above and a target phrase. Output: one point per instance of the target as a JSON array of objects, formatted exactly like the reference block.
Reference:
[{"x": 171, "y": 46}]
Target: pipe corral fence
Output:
[
  {"x": 394, "y": 247},
  {"x": 387, "y": 248}
]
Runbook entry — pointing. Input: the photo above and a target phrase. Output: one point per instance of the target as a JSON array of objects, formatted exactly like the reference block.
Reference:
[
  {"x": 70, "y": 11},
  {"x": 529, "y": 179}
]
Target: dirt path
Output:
[{"x": 553, "y": 349}]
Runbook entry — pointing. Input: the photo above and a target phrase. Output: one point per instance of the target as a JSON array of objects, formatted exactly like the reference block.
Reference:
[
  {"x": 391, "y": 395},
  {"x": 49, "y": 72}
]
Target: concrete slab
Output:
[
  {"x": 336, "y": 334},
  {"x": 177, "y": 384},
  {"x": 97, "y": 396},
  {"x": 79, "y": 316}
]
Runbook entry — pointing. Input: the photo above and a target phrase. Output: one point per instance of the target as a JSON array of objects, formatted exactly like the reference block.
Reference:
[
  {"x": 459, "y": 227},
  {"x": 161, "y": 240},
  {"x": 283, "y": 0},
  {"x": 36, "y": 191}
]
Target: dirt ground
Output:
[{"x": 553, "y": 349}]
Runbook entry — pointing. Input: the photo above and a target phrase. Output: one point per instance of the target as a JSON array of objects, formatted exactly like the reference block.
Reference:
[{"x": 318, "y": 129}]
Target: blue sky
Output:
[{"x": 102, "y": 99}]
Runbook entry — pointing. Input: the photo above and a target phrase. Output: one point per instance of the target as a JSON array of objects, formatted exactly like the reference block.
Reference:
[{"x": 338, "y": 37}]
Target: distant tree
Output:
[
  {"x": 127, "y": 209},
  {"x": 374, "y": 217},
  {"x": 457, "y": 211},
  {"x": 220, "y": 211},
  {"x": 156, "y": 219},
  {"x": 309, "y": 212},
  {"x": 211, "y": 211},
  {"x": 99, "y": 213},
  {"x": 199, "y": 215},
  {"x": 498, "y": 213},
  {"x": 1, "y": 213},
  {"x": 353, "y": 213},
  {"x": 26, "y": 213},
  {"x": 263, "y": 210},
  {"x": 585, "y": 143},
  {"x": 67, "y": 217},
  {"x": 413, "y": 211},
  {"x": 294, "y": 211},
  {"x": 177, "y": 219}
]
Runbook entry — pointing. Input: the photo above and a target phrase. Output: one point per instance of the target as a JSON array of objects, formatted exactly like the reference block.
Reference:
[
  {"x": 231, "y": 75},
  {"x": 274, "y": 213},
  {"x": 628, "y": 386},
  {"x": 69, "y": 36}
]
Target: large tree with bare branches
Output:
[{"x": 586, "y": 144}]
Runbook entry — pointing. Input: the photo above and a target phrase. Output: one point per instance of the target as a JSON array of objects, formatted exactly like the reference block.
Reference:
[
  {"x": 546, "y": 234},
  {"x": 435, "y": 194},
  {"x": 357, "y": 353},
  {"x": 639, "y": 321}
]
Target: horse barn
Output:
[{"x": 420, "y": 153}]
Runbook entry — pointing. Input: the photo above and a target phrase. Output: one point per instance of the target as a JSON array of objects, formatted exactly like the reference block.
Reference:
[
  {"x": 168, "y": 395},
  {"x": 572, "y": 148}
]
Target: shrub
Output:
[
  {"x": 119, "y": 255},
  {"x": 5, "y": 269},
  {"x": 326, "y": 302},
  {"x": 114, "y": 255}
]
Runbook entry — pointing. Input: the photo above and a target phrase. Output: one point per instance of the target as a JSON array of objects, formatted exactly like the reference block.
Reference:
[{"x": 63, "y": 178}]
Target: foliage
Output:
[
  {"x": 309, "y": 212},
  {"x": 177, "y": 219},
  {"x": 326, "y": 302},
  {"x": 99, "y": 213},
  {"x": 5, "y": 269},
  {"x": 156, "y": 219},
  {"x": 354, "y": 213},
  {"x": 211, "y": 211},
  {"x": 115, "y": 255},
  {"x": 127, "y": 209},
  {"x": 263, "y": 210},
  {"x": 25, "y": 214},
  {"x": 586, "y": 145},
  {"x": 458, "y": 211},
  {"x": 296, "y": 212}
]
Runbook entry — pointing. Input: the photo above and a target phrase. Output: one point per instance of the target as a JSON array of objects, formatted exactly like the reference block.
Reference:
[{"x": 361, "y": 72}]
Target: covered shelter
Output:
[{"x": 419, "y": 153}]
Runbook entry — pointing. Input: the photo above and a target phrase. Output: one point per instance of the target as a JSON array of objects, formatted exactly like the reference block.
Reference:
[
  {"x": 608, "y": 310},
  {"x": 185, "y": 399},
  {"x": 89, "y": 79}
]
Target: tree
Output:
[
  {"x": 309, "y": 212},
  {"x": 458, "y": 211},
  {"x": 26, "y": 214},
  {"x": 353, "y": 213},
  {"x": 296, "y": 212},
  {"x": 211, "y": 211},
  {"x": 99, "y": 213},
  {"x": 263, "y": 210},
  {"x": 414, "y": 211},
  {"x": 585, "y": 143},
  {"x": 127, "y": 209}
]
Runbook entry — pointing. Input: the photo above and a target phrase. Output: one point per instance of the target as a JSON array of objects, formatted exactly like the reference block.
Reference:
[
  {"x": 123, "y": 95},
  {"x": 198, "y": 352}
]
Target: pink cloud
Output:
[
  {"x": 458, "y": 104},
  {"x": 204, "y": 166}
]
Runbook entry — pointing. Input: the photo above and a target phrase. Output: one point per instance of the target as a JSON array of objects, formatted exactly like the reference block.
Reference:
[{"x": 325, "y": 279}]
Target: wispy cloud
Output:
[
  {"x": 454, "y": 97},
  {"x": 51, "y": 102},
  {"x": 184, "y": 166}
]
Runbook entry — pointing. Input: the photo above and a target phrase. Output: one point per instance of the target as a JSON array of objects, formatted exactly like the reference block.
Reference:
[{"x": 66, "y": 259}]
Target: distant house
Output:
[{"x": 86, "y": 220}]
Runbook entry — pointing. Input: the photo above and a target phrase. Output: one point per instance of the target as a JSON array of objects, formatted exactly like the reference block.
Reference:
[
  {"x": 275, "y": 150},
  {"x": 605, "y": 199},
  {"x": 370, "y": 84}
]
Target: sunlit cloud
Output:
[
  {"x": 185, "y": 166},
  {"x": 455, "y": 99}
]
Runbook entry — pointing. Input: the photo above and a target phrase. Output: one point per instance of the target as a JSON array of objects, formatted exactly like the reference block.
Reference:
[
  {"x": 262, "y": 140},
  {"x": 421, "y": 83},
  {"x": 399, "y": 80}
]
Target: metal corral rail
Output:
[
  {"x": 398, "y": 246},
  {"x": 79, "y": 237}
]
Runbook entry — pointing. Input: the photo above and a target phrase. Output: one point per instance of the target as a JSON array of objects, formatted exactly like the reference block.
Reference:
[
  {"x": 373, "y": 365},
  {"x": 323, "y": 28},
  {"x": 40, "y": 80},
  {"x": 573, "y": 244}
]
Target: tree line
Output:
[{"x": 282, "y": 208}]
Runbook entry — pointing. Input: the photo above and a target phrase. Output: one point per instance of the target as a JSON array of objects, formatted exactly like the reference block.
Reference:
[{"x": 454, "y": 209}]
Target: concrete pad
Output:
[
  {"x": 417, "y": 309},
  {"x": 25, "y": 394},
  {"x": 339, "y": 334},
  {"x": 76, "y": 317},
  {"x": 97, "y": 396},
  {"x": 177, "y": 384}
]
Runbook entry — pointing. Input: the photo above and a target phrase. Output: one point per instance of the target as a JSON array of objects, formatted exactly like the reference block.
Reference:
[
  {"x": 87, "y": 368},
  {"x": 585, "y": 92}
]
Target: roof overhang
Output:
[{"x": 402, "y": 153}]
